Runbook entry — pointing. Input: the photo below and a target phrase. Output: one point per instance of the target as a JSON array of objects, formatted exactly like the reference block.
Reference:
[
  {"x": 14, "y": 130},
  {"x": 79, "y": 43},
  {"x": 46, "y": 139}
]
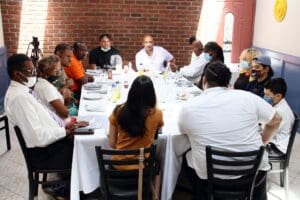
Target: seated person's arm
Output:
[
  {"x": 270, "y": 128},
  {"x": 92, "y": 66},
  {"x": 92, "y": 61},
  {"x": 112, "y": 136},
  {"x": 85, "y": 79},
  {"x": 60, "y": 108}
]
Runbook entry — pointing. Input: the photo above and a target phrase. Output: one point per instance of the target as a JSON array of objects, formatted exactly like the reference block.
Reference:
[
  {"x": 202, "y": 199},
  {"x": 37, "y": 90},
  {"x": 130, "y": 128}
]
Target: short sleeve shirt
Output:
[
  {"x": 47, "y": 93},
  {"x": 226, "y": 119},
  {"x": 75, "y": 71},
  {"x": 154, "y": 121},
  {"x": 101, "y": 58},
  {"x": 156, "y": 62}
]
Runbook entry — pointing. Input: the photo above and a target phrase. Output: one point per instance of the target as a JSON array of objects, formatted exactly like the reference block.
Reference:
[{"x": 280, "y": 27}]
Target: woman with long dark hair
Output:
[{"x": 134, "y": 124}]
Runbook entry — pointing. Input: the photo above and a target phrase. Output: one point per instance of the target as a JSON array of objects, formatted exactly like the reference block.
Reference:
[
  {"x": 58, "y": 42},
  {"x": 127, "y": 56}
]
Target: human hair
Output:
[
  {"x": 214, "y": 47},
  {"x": 217, "y": 74},
  {"x": 249, "y": 54},
  {"x": 277, "y": 86},
  {"x": 192, "y": 39},
  {"x": 270, "y": 72},
  {"x": 132, "y": 115},
  {"x": 104, "y": 35},
  {"x": 62, "y": 47},
  {"x": 47, "y": 62},
  {"x": 16, "y": 63}
]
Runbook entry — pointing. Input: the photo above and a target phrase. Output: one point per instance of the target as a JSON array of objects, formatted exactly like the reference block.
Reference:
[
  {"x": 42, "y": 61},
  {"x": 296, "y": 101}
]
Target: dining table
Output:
[{"x": 98, "y": 99}]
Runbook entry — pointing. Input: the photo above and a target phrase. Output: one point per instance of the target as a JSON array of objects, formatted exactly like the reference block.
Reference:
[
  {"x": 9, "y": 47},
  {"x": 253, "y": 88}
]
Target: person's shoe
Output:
[{"x": 57, "y": 189}]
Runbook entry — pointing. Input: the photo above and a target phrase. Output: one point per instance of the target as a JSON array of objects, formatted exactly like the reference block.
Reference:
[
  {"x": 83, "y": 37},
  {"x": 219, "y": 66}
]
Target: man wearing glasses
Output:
[{"x": 45, "y": 134}]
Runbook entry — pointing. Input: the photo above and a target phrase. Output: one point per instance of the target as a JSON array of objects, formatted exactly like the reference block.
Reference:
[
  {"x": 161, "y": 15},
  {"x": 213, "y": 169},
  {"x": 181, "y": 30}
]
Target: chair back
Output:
[
  {"x": 232, "y": 175},
  {"x": 291, "y": 140},
  {"x": 24, "y": 149},
  {"x": 123, "y": 184}
]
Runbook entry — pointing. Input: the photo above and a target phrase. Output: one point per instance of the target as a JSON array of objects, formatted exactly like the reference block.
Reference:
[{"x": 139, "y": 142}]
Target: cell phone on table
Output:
[{"x": 82, "y": 131}]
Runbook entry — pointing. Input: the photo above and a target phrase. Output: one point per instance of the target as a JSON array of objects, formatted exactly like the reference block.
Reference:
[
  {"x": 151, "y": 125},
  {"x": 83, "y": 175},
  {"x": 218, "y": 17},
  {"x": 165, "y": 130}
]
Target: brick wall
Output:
[{"x": 171, "y": 22}]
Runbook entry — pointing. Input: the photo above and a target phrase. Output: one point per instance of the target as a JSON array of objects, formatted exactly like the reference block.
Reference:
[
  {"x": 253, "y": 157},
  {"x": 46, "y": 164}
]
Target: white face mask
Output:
[
  {"x": 105, "y": 50},
  {"x": 31, "y": 81}
]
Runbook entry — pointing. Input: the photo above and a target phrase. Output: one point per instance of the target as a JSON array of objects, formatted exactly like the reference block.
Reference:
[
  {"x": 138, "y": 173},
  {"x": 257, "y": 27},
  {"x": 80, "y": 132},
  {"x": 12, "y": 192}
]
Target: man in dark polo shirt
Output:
[{"x": 105, "y": 54}]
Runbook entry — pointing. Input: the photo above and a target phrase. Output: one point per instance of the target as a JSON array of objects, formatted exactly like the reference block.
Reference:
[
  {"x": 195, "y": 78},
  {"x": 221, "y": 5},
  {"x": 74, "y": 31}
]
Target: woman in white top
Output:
[{"x": 49, "y": 69}]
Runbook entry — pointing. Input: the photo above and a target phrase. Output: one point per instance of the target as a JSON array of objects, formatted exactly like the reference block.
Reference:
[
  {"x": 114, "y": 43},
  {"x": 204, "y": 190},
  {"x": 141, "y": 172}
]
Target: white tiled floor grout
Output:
[{"x": 14, "y": 186}]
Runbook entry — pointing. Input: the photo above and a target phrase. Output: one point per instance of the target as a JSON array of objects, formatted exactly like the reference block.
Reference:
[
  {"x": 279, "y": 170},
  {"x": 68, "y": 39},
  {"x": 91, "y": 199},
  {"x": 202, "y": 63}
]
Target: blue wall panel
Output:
[{"x": 4, "y": 79}]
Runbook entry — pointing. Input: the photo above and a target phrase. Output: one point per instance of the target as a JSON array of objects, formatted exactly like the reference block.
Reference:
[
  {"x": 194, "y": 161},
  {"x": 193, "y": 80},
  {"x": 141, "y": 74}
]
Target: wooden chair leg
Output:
[{"x": 7, "y": 133}]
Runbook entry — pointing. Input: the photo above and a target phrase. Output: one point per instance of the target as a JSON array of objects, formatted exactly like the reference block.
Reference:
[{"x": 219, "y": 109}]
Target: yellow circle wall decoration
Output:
[{"x": 280, "y": 10}]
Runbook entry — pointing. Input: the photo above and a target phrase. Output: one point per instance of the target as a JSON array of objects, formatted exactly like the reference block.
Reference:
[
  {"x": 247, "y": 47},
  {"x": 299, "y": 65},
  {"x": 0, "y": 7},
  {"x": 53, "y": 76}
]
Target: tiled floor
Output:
[{"x": 14, "y": 186}]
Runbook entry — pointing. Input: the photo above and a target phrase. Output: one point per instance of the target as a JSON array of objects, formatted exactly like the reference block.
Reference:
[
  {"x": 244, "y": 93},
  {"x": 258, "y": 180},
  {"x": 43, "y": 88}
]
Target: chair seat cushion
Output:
[{"x": 121, "y": 192}]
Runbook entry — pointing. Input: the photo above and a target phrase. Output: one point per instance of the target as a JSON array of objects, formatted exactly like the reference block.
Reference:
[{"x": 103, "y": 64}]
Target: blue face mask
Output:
[
  {"x": 244, "y": 64},
  {"x": 268, "y": 99},
  {"x": 207, "y": 57}
]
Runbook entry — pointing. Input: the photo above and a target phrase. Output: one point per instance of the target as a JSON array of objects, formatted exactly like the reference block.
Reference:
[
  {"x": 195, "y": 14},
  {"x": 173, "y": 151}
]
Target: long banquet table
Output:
[{"x": 170, "y": 145}]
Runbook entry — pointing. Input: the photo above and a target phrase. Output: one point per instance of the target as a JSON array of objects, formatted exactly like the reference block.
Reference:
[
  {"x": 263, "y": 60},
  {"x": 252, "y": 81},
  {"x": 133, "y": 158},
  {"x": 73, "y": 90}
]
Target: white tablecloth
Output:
[{"x": 170, "y": 145}]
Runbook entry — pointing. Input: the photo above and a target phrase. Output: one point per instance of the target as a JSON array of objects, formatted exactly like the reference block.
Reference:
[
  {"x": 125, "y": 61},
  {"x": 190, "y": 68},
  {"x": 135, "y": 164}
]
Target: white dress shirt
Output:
[
  {"x": 38, "y": 128},
  {"x": 226, "y": 119},
  {"x": 281, "y": 139},
  {"x": 47, "y": 93},
  {"x": 154, "y": 62},
  {"x": 194, "y": 70}
]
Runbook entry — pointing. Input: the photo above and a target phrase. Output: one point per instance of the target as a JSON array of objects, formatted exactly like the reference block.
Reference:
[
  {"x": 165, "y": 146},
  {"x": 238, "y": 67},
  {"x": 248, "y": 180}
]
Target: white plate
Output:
[
  {"x": 92, "y": 86},
  {"x": 93, "y": 96}
]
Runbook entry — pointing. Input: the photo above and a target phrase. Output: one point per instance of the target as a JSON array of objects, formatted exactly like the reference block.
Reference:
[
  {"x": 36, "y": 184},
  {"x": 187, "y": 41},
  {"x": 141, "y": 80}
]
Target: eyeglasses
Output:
[{"x": 31, "y": 72}]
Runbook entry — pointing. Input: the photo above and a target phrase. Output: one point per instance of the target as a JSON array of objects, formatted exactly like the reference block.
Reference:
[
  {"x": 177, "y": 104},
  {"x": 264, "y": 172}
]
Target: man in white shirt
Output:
[
  {"x": 194, "y": 70},
  {"x": 226, "y": 119},
  {"x": 46, "y": 139},
  {"x": 154, "y": 58},
  {"x": 275, "y": 91}
]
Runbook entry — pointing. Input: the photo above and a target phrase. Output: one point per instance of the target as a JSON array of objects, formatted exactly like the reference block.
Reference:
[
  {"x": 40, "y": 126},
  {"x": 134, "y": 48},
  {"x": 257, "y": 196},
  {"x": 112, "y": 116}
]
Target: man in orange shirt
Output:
[{"x": 76, "y": 69}]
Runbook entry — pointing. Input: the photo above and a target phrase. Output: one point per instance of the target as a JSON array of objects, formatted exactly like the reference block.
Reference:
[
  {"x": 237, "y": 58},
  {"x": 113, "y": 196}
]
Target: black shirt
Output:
[
  {"x": 257, "y": 87},
  {"x": 242, "y": 81},
  {"x": 101, "y": 58}
]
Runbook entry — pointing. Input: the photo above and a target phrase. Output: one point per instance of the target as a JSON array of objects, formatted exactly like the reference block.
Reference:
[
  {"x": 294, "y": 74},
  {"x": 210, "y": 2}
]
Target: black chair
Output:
[
  {"x": 222, "y": 164},
  {"x": 284, "y": 159},
  {"x": 4, "y": 119},
  {"x": 123, "y": 184},
  {"x": 33, "y": 172}
]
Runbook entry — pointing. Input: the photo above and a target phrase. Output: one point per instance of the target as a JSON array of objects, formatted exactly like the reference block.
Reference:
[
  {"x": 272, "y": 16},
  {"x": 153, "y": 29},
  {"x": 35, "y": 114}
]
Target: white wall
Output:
[
  {"x": 1, "y": 30},
  {"x": 283, "y": 37}
]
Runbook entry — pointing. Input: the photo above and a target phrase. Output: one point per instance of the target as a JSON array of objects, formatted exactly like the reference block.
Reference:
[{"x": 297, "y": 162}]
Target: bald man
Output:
[
  {"x": 194, "y": 70},
  {"x": 152, "y": 57}
]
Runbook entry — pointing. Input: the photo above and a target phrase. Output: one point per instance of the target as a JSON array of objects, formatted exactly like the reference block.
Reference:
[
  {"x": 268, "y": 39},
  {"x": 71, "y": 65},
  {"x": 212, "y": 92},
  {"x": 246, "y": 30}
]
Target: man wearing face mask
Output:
[
  {"x": 45, "y": 136},
  {"x": 275, "y": 91},
  {"x": 261, "y": 73},
  {"x": 102, "y": 55},
  {"x": 226, "y": 119}
]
